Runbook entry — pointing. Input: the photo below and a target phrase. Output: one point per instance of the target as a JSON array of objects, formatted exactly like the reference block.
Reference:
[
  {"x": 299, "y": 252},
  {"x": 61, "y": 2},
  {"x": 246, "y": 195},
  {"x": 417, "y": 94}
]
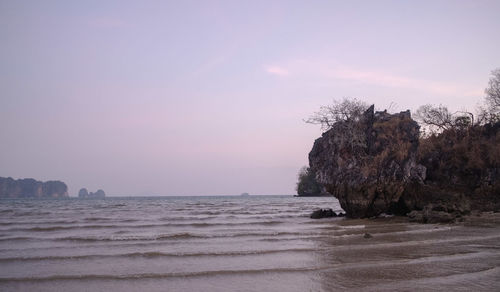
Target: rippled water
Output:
[{"x": 235, "y": 244}]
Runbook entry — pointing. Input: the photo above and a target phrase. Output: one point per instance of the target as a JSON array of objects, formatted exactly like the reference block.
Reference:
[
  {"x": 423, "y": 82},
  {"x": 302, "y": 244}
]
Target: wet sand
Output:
[{"x": 402, "y": 256}]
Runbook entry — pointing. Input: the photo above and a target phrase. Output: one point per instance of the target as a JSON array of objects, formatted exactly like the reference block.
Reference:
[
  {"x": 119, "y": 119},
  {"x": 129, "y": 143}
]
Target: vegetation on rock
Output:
[
  {"x": 307, "y": 184},
  {"x": 30, "y": 188},
  {"x": 376, "y": 162}
]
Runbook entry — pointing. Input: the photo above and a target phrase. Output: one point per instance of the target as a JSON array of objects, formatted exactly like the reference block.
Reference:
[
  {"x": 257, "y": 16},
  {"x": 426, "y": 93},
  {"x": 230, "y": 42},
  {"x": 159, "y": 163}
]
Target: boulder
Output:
[
  {"x": 323, "y": 213},
  {"x": 434, "y": 214}
]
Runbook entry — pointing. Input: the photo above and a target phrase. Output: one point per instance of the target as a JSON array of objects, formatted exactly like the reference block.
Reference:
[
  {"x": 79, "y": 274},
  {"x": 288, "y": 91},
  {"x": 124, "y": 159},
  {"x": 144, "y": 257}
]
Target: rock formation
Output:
[
  {"x": 367, "y": 163},
  {"x": 374, "y": 164},
  {"x": 323, "y": 213},
  {"x": 463, "y": 174},
  {"x": 83, "y": 193},
  {"x": 30, "y": 188},
  {"x": 464, "y": 163},
  {"x": 308, "y": 186}
]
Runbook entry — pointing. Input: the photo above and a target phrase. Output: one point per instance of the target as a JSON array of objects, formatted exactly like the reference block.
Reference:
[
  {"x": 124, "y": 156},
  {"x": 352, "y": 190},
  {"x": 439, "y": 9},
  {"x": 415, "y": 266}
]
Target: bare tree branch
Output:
[
  {"x": 345, "y": 110},
  {"x": 493, "y": 95}
]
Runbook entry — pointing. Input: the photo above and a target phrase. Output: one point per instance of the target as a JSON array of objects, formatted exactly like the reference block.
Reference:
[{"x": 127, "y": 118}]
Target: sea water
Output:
[{"x": 254, "y": 243}]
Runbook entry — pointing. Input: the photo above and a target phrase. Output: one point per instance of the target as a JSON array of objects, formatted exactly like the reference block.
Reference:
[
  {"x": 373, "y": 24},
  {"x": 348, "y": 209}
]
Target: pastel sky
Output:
[{"x": 209, "y": 97}]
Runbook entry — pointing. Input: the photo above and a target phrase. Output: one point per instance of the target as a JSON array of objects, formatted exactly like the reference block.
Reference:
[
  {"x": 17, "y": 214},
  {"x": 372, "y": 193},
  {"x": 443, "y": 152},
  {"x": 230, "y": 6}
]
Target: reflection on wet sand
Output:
[{"x": 401, "y": 256}]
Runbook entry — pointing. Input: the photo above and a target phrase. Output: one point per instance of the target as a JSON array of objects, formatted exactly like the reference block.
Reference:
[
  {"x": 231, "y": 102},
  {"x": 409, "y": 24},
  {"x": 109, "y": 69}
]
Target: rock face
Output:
[
  {"x": 367, "y": 163},
  {"x": 83, "y": 193},
  {"x": 30, "y": 188},
  {"x": 376, "y": 164},
  {"x": 463, "y": 167}
]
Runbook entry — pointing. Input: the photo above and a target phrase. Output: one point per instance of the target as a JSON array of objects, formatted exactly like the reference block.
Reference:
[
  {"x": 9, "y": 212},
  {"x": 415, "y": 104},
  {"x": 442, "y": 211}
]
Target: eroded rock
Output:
[
  {"x": 434, "y": 214},
  {"x": 367, "y": 163},
  {"x": 323, "y": 213},
  {"x": 30, "y": 188}
]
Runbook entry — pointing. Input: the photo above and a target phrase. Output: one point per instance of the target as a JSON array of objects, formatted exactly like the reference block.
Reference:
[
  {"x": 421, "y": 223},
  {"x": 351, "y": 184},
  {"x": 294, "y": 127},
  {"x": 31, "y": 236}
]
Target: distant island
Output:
[
  {"x": 31, "y": 188},
  {"x": 245, "y": 194},
  {"x": 84, "y": 194}
]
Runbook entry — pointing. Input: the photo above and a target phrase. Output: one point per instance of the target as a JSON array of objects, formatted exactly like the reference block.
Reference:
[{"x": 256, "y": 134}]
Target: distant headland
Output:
[{"x": 31, "y": 188}]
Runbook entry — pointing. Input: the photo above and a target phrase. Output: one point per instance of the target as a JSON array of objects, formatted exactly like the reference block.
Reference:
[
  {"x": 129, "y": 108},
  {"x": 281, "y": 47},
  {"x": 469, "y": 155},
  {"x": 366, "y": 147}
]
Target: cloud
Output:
[
  {"x": 275, "y": 70},
  {"x": 328, "y": 70},
  {"x": 386, "y": 79}
]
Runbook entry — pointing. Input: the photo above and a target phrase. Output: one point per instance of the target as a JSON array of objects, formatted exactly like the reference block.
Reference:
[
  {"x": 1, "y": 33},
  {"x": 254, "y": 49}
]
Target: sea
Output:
[{"x": 239, "y": 243}]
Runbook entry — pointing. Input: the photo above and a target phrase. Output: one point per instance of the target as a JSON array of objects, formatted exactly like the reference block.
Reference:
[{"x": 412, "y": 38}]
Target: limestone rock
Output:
[
  {"x": 99, "y": 194},
  {"x": 434, "y": 214},
  {"x": 30, "y": 188},
  {"x": 83, "y": 193},
  {"x": 367, "y": 163}
]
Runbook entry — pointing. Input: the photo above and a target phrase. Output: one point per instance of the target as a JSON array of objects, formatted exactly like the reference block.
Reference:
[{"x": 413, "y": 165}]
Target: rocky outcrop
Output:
[
  {"x": 325, "y": 213},
  {"x": 376, "y": 164},
  {"x": 307, "y": 185},
  {"x": 367, "y": 162},
  {"x": 84, "y": 194},
  {"x": 31, "y": 188},
  {"x": 463, "y": 165}
]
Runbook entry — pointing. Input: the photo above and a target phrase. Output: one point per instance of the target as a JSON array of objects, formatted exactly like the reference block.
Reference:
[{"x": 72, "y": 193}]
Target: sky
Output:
[{"x": 209, "y": 97}]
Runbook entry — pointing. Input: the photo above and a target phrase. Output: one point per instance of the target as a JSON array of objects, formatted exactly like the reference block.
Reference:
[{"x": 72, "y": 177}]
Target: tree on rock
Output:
[
  {"x": 345, "y": 110},
  {"x": 493, "y": 94},
  {"x": 437, "y": 119},
  {"x": 307, "y": 184}
]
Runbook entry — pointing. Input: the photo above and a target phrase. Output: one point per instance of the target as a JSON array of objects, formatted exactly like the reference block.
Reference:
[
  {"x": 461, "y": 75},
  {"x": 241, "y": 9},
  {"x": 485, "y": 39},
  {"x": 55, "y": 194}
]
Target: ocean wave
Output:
[
  {"x": 174, "y": 236},
  {"x": 97, "y": 219},
  {"x": 155, "y": 254},
  {"x": 158, "y": 275},
  {"x": 117, "y": 225}
]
